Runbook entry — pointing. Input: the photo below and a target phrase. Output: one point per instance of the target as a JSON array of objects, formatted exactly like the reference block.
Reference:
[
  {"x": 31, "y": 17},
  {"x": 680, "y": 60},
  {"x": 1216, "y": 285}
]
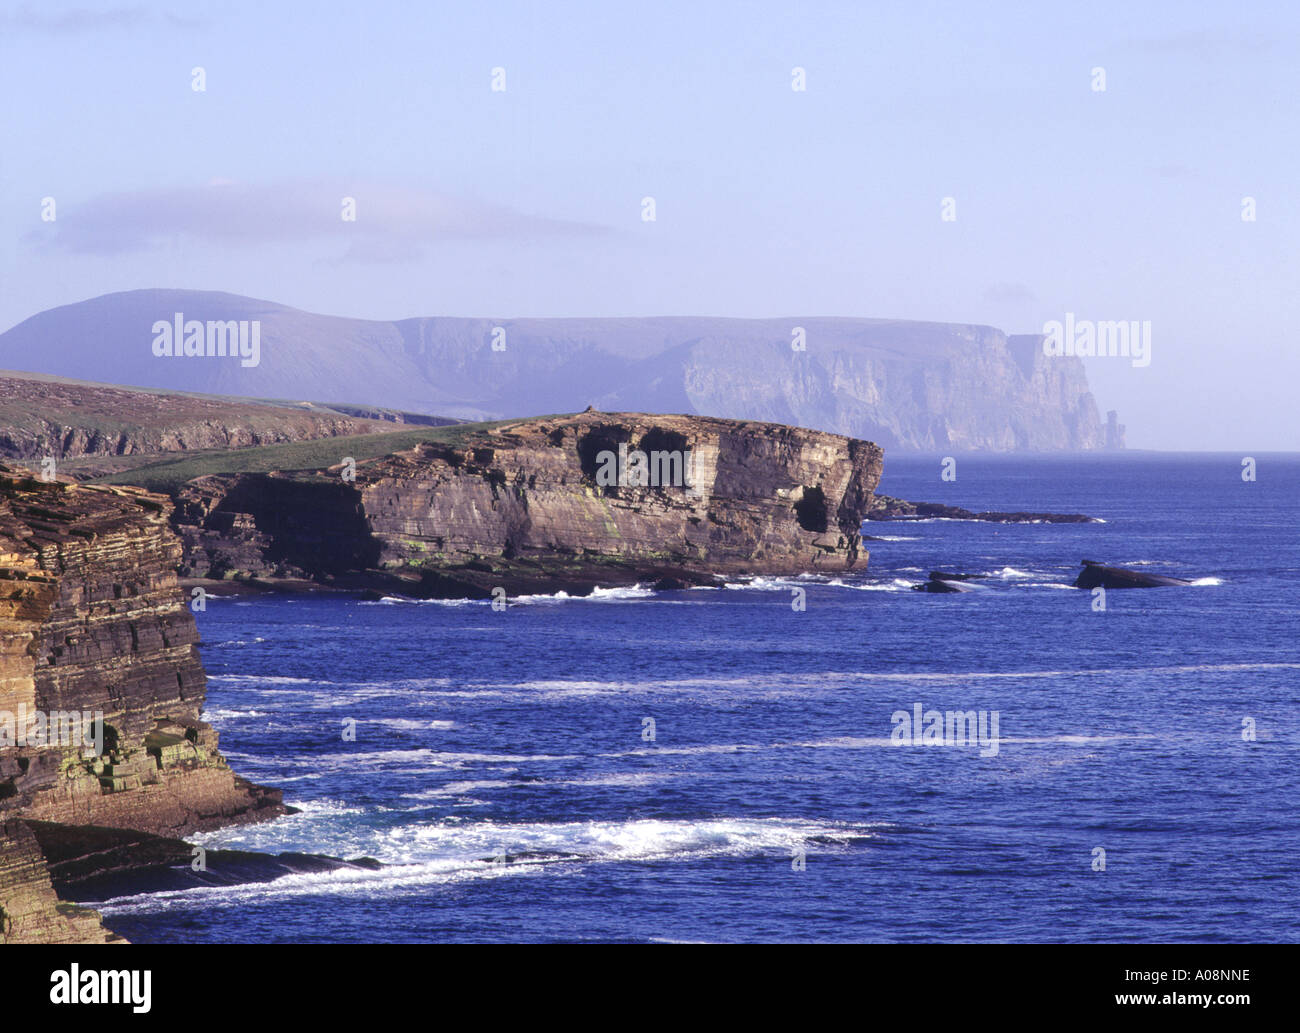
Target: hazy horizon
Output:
[{"x": 1122, "y": 204}]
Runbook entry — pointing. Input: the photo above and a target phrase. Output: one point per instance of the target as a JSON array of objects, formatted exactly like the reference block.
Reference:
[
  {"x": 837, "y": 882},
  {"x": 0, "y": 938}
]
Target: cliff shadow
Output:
[{"x": 316, "y": 525}]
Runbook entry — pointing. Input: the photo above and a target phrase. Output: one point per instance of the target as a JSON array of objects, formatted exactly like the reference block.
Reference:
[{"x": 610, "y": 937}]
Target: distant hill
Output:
[{"x": 905, "y": 385}]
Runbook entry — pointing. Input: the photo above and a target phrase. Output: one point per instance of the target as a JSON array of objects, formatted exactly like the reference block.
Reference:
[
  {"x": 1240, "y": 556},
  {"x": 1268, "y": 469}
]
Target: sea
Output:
[{"x": 733, "y": 763}]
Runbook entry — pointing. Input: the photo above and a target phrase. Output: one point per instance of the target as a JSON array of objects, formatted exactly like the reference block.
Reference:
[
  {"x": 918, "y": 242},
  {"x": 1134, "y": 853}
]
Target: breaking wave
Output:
[{"x": 419, "y": 855}]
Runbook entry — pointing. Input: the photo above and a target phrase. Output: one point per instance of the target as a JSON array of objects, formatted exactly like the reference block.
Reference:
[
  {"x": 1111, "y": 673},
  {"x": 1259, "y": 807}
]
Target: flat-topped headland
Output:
[{"x": 564, "y": 503}]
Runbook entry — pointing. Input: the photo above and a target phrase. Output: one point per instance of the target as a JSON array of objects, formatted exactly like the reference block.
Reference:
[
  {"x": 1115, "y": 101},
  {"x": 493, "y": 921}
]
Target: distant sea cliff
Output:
[{"x": 905, "y": 385}]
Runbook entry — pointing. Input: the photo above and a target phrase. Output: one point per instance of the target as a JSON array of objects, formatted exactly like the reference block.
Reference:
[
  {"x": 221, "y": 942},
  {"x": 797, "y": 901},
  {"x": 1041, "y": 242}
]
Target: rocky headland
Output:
[
  {"x": 53, "y": 417},
  {"x": 93, "y": 622},
  {"x": 529, "y": 507},
  {"x": 93, "y": 619}
]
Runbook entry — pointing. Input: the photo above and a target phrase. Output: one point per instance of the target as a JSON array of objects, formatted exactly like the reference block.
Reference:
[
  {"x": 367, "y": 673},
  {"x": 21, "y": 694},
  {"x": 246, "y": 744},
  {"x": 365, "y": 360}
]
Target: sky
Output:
[{"x": 1122, "y": 203}]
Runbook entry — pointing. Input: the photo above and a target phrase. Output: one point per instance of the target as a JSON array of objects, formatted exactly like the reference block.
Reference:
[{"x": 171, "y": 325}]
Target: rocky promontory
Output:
[
  {"x": 44, "y": 417},
  {"x": 101, "y": 686},
  {"x": 540, "y": 505},
  {"x": 97, "y": 642}
]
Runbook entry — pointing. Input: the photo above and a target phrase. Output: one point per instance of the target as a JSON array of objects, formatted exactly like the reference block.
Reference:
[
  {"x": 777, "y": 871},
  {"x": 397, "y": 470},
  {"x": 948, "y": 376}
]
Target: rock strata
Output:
[
  {"x": 51, "y": 417},
  {"x": 92, "y": 622},
  {"x": 29, "y": 910},
  {"x": 529, "y": 507}
]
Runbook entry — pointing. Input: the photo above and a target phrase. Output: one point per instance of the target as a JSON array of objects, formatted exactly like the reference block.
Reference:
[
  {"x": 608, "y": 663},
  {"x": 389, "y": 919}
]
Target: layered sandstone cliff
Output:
[
  {"x": 30, "y": 912},
  {"x": 525, "y": 507},
  {"x": 93, "y": 627},
  {"x": 92, "y": 621}
]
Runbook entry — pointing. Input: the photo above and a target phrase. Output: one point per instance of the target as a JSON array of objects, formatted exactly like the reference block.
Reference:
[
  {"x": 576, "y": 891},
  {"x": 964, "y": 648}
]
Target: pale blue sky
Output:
[{"x": 1123, "y": 204}]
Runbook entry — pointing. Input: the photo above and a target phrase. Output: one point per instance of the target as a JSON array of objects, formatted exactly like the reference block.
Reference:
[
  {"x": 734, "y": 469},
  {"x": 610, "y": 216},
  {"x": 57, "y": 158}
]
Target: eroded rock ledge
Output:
[
  {"x": 521, "y": 507},
  {"x": 92, "y": 620}
]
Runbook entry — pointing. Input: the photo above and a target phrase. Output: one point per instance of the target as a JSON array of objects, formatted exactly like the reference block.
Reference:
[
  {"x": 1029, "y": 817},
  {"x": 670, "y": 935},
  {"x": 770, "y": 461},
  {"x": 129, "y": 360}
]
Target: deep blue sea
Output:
[{"x": 503, "y": 771}]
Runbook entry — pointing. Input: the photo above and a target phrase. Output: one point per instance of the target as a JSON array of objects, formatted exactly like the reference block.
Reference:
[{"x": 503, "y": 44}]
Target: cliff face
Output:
[
  {"x": 907, "y": 385},
  {"x": 92, "y": 621},
  {"x": 63, "y": 419},
  {"x": 29, "y": 910},
  {"x": 526, "y": 507}
]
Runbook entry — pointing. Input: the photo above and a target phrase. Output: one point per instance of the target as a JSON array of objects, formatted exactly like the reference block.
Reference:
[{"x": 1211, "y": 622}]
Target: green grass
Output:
[{"x": 171, "y": 473}]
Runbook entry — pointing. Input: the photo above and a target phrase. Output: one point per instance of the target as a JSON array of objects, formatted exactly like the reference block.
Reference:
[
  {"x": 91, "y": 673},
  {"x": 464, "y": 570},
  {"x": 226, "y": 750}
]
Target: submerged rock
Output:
[{"x": 88, "y": 863}]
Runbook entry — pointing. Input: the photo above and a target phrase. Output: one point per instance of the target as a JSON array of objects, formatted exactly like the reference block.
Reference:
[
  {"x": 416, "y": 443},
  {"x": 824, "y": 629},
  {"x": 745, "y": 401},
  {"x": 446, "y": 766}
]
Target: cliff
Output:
[
  {"x": 528, "y": 507},
  {"x": 93, "y": 624},
  {"x": 906, "y": 385},
  {"x": 42, "y": 416},
  {"x": 30, "y": 912},
  {"x": 94, "y": 621}
]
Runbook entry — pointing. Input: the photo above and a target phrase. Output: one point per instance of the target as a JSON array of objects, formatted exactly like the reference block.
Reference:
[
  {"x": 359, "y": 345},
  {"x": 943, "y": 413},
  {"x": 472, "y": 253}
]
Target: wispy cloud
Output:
[
  {"x": 77, "y": 20},
  {"x": 393, "y": 223}
]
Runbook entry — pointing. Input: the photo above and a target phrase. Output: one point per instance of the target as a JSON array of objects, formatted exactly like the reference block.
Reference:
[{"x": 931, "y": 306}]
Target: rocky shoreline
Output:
[
  {"x": 94, "y": 621},
  {"x": 94, "y": 582},
  {"x": 97, "y": 643}
]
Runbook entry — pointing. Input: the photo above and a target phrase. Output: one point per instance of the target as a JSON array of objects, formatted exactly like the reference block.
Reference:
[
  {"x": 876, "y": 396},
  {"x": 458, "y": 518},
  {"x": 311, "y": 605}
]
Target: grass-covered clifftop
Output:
[
  {"x": 169, "y": 474},
  {"x": 95, "y": 430}
]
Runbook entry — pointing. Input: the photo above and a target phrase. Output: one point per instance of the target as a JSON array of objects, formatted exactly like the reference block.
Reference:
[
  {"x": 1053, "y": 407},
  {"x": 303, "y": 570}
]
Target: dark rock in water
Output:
[
  {"x": 945, "y": 587},
  {"x": 533, "y": 857},
  {"x": 948, "y": 583},
  {"x": 1096, "y": 575},
  {"x": 95, "y": 863},
  {"x": 886, "y": 507}
]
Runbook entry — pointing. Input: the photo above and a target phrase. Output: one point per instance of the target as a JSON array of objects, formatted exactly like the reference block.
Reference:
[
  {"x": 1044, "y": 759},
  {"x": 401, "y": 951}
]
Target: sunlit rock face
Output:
[
  {"x": 93, "y": 622},
  {"x": 560, "y": 503}
]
